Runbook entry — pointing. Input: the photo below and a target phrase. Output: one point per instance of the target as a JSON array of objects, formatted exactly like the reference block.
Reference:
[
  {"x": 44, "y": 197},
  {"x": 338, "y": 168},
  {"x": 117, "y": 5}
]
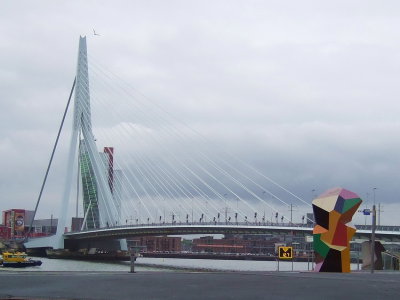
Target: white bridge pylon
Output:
[{"x": 82, "y": 126}]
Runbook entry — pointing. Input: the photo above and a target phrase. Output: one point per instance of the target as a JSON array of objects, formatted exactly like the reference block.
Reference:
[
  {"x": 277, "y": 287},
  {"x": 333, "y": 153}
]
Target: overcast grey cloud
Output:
[{"x": 306, "y": 91}]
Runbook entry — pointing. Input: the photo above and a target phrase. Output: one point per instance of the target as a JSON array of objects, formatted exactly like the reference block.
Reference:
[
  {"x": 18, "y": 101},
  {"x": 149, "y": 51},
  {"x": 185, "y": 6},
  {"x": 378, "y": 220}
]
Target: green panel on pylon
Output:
[
  {"x": 89, "y": 188},
  {"x": 349, "y": 203},
  {"x": 319, "y": 246}
]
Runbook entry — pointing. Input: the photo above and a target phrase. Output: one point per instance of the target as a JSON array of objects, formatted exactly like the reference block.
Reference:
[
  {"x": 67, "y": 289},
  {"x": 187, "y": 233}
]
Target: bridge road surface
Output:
[{"x": 192, "y": 285}]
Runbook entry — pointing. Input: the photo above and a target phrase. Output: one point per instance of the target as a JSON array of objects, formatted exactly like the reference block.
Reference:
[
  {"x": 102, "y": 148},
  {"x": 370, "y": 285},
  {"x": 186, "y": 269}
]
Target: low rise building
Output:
[
  {"x": 156, "y": 243},
  {"x": 16, "y": 222},
  {"x": 265, "y": 244},
  {"x": 225, "y": 245},
  {"x": 44, "y": 227},
  {"x": 5, "y": 232}
]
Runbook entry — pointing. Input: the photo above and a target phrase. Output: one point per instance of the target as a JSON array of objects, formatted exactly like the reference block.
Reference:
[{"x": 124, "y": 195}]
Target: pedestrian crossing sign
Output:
[{"x": 285, "y": 252}]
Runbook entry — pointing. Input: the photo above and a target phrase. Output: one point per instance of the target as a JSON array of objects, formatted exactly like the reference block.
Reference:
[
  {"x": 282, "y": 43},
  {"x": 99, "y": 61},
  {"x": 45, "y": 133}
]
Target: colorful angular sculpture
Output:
[{"x": 333, "y": 211}]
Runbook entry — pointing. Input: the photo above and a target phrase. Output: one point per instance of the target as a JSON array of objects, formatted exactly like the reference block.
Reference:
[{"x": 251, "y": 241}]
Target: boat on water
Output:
[{"x": 18, "y": 260}]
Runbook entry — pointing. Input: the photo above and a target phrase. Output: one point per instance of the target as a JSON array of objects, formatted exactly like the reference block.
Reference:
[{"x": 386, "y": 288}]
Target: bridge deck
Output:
[{"x": 209, "y": 228}]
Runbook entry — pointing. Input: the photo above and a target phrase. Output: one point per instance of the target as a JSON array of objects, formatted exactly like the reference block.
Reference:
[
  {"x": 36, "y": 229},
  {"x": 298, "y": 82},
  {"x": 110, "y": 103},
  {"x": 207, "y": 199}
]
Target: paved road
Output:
[{"x": 189, "y": 285}]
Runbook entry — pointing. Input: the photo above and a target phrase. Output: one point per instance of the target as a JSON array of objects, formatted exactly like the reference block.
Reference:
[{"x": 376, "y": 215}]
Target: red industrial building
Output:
[
  {"x": 109, "y": 151},
  {"x": 5, "y": 232},
  {"x": 16, "y": 222},
  {"x": 255, "y": 244}
]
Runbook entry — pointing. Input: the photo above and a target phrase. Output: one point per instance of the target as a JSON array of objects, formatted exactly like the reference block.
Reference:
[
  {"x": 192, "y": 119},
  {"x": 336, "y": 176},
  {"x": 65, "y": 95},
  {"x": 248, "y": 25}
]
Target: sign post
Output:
[
  {"x": 285, "y": 253},
  {"x": 373, "y": 239}
]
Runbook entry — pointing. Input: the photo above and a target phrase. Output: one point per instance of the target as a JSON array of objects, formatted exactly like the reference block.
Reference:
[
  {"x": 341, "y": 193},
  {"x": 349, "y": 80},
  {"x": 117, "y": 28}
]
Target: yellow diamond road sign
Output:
[{"x": 286, "y": 252}]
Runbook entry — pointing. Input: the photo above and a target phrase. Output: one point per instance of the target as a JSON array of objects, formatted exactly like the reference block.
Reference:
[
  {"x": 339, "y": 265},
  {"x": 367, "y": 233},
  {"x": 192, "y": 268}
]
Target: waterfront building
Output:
[
  {"x": 225, "y": 245},
  {"x": 264, "y": 244},
  {"x": 76, "y": 224},
  {"x": 16, "y": 222},
  {"x": 44, "y": 227},
  {"x": 156, "y": 243},
  {"x": 5, "y": 232}
]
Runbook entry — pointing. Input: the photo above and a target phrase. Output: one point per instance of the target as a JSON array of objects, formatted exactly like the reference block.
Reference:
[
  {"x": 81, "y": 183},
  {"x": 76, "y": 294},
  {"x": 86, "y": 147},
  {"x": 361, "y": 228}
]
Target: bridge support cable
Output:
[
  {"x": 215, "y": 165},
  {"x": 275, "y": 196},
  {"x": 146, "y": 173},
  {"x": 51, "y": 159},
  {"x": 261, "y": 187},
  {"x": 157, "y": 179},
  {"x": 177, "y": 188},
  {"x": 251, "y": 192},
  {"x": 173, "y": 184},
  {"x": 225, "y": 173},
  {"x": 270, "y": 180},
  {"x": 244, "y": 187},
  {"x": 119, "y": 80},
  {"x": 225, "y": 186},
  {"x": 221, "y": 197},
  {"x": 161, "y": 169},
  {"x": 109, "y": 223},
  {"x": 229, "y": 175},
  {"x": 180, "y": 133},
  {"x": 164, "y": 189},
  {"x": 85, "y": 111}
]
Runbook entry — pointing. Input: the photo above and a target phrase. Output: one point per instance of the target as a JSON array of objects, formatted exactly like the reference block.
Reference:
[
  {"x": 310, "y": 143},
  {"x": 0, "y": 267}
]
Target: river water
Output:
[{"x": 168, "y": 265}]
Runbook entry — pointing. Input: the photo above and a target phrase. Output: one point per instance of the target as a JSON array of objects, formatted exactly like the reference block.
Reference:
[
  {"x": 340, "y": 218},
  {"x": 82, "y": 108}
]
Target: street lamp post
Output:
[{"x": 373, "y": 234}]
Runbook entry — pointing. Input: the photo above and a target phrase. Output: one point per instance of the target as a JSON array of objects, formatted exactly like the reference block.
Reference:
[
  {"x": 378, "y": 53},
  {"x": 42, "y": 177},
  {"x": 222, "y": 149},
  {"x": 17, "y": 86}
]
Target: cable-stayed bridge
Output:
[{"x": 165, "y": 179}]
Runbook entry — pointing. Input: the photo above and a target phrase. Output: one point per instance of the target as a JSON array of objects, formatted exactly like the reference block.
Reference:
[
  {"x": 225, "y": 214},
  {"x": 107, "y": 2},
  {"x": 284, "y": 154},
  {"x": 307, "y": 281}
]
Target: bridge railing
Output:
[
  {"x": 379, "y": 227},
  {"x": 223, "y": 223}
]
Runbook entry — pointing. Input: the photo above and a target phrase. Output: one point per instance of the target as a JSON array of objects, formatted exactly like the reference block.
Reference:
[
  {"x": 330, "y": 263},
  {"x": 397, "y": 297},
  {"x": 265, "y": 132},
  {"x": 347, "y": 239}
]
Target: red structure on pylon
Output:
[{"x": 110, "y": 154}]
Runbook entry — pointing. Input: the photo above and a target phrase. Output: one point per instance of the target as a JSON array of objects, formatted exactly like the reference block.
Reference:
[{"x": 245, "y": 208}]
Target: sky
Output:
[{"x": 305, "y": 91}]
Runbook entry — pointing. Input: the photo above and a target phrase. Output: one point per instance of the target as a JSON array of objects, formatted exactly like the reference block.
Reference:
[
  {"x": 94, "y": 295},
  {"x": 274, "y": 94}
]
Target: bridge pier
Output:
[{"x": 104, "y": 244}]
